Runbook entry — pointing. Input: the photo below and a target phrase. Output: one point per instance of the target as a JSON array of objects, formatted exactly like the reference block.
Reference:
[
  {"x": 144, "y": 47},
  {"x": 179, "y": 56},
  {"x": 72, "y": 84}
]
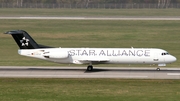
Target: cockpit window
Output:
[{"x": 165, "y": 54}]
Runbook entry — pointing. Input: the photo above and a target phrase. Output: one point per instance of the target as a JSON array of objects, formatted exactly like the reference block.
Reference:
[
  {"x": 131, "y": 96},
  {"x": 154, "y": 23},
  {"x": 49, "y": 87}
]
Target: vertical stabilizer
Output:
[{"x": 24, "y": 40}]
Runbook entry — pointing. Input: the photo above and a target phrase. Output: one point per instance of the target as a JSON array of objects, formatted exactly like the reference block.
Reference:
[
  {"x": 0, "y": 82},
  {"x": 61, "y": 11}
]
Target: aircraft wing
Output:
[{"x": 93, "y": 60}]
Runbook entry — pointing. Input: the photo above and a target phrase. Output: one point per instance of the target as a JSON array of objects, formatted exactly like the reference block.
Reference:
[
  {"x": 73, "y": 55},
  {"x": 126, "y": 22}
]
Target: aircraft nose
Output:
[
  {"x": 171, "y": 59},
  {"x": 174, "y": 58}
]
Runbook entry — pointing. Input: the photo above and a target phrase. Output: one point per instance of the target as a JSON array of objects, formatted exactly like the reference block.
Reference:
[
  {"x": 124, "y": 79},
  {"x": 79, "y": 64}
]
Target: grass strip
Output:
[
  {"x": 21, "y": 12},
  {"x": 89, "y": 33},
  {"x": 19, "y": 89}
]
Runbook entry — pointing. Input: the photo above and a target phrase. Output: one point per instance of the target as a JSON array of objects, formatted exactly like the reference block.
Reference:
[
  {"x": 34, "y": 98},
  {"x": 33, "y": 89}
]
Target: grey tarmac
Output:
[
  {"x": 80, "y": 72},
  {"x": 95, "y": 18}
]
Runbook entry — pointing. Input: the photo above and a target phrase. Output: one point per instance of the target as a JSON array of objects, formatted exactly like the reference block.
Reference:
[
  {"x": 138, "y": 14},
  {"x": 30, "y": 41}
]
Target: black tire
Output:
[
  {"x": 158, "y": 69},
  {"x": 89, "y": 68}
]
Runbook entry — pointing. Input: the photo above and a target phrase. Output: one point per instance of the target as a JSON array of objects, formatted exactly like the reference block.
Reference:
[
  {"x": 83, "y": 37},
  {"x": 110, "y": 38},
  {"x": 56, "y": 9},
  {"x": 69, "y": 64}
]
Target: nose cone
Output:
[
  {"x": 171, "y": 59},
  {"x": 174, "y": 58}
]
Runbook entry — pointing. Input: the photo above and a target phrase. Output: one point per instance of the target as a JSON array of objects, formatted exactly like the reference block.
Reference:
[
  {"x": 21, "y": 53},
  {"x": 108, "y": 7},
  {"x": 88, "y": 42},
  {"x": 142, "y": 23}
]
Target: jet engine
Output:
[{"x": 56, "y": 54}]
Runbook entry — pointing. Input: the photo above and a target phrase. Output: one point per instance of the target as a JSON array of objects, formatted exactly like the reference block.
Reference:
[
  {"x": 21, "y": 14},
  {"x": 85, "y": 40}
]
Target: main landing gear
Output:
[
  {"x": 89, "y": 68},
  {"x": 158, "y": 69}
]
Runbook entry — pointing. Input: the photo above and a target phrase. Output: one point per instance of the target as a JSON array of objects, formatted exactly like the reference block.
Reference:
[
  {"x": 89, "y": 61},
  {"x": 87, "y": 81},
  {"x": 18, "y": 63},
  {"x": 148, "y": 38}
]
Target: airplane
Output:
[{"x": 28, "y": 47}]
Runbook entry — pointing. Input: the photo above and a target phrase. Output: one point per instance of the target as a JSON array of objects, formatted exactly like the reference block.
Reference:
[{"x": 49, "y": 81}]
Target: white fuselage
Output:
[{"x": 101, "y": 55}]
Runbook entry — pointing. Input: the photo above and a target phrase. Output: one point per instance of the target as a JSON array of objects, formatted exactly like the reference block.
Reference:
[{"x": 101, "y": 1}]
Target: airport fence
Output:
[{"x": 90, "y": 6}]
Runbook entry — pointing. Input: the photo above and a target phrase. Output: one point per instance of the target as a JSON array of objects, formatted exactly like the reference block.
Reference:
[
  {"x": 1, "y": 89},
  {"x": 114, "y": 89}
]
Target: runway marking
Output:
[
  {"x": 173, "y": 74},
  {"x": 95, "y": 18},
  {"x": 80, "y": 72}
]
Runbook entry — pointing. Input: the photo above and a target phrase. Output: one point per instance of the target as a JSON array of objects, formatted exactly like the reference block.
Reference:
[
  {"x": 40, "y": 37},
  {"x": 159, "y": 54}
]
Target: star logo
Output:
[{"x": 24, "y": 41}]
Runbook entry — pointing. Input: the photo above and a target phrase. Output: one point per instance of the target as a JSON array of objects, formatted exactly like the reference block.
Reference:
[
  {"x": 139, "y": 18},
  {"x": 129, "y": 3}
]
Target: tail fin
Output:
[{"x": 24, "y": 40}]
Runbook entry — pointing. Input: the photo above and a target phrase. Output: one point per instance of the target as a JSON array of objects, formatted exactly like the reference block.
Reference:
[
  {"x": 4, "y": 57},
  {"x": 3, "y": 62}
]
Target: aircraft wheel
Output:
[
  {"x": 158, "y": 69},
  {"x": 89, "y": 68}
]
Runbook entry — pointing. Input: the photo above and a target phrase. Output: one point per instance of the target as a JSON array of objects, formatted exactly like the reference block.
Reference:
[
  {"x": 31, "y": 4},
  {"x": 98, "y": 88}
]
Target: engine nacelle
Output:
[{"x": 56, "y": 54}]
